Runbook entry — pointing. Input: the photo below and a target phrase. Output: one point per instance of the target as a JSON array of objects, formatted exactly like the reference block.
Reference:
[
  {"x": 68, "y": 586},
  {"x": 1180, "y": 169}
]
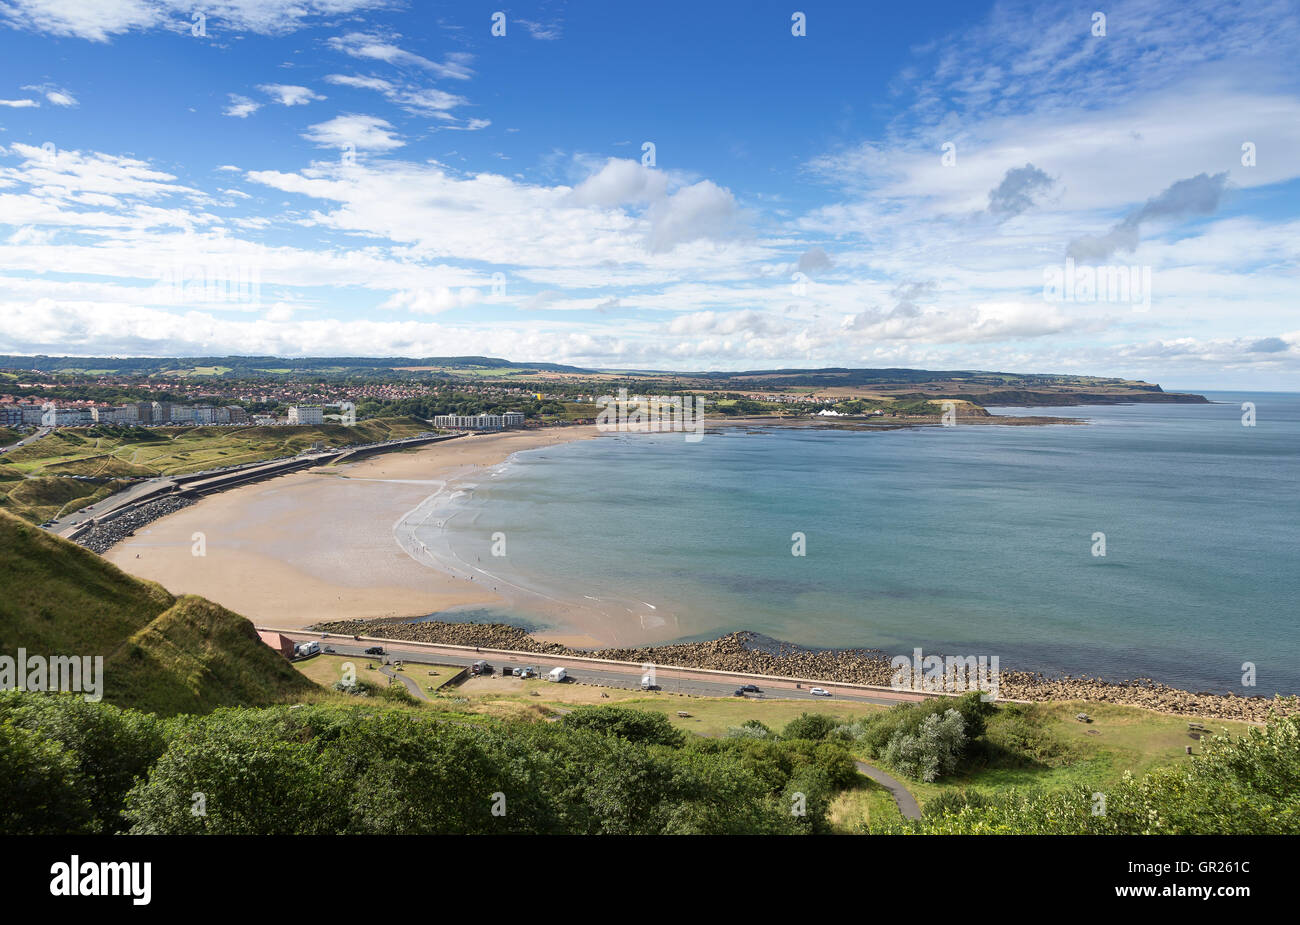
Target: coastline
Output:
[
  {"x": 325, "y": 548},
  {"x": 319, "y": 544},
  {"x": 747, "y": 653}
]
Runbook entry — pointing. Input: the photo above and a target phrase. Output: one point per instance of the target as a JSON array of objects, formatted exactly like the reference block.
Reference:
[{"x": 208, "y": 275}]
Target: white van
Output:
[
  {"x": 557, "y": 674},
  {"x": 305, "y": 649}
]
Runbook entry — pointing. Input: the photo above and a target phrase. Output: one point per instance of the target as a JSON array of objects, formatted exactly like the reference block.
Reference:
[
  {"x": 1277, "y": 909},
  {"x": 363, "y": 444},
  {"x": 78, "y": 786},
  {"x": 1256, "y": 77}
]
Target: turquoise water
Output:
[{"x": 966, "y": 540}]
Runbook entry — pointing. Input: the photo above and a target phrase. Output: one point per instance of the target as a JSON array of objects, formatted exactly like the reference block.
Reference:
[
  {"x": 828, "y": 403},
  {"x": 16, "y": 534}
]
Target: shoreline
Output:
[
  {"x": 746, "y": 653},
  {"x": 324, "y": 547},
  {"x": 319, "y": 544}
]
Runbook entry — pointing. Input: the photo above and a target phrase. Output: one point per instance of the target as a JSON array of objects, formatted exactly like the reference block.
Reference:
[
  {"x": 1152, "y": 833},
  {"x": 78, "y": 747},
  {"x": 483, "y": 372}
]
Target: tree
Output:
[
  {"x": 40, "y": 790},
  {"x": 933, "y": 751}
]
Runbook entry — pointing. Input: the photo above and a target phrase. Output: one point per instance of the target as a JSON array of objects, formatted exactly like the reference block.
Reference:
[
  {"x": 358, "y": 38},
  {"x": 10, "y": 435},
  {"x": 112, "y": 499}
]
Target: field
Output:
[
  {"x": 35, "y": 481},
  {"x": 325, "y": 670}
]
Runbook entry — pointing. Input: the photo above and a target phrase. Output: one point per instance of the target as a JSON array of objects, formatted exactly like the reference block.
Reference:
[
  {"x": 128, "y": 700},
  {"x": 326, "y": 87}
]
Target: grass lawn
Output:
[
  {"x": 325, "y": 670},
  {"x": 863, "y": 804},
  {"x": 713, "y": 716},
  {"x": 1119, "y": 739}
]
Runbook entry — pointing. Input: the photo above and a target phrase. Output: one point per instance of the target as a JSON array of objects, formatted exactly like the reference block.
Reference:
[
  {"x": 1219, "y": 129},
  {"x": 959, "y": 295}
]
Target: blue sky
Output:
[{"x": 896, "y": 187}]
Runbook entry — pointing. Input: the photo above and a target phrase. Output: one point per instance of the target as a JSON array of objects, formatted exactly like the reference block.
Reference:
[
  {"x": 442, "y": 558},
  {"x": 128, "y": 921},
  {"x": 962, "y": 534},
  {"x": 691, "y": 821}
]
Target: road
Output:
[
  {"x": 111, "y": 503},
  {"x": 40, "y": 432},
  {"x": 614, "y": 674}
]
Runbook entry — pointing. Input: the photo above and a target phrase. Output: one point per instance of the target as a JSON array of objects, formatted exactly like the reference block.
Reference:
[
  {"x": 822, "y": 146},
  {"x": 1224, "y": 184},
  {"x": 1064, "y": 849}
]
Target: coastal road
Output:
[
  {"x": 612, "y": 674},
  {"x": 31, "y": 438}
]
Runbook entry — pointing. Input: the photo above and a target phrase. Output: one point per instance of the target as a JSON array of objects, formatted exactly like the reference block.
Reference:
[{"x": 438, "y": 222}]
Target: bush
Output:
[
  {"x": 750, "y": 729},
  {"x": 112, "y": 748},
  {"x": 812, "y": 726},
  {"x": 633, "y": 725},
  {"x": 41, "y": 792},
  {"x": 933, "y": 751}
]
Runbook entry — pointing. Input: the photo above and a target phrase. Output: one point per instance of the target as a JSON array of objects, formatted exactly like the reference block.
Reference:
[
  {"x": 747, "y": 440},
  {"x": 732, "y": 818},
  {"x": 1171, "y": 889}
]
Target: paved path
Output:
[
  {"x": 907, "y": 804},
  {"x": 410, "y": 683}
]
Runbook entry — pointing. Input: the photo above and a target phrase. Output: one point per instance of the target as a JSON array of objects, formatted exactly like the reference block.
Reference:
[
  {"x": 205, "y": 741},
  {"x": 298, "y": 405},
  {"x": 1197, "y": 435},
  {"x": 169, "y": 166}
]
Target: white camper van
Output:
[
  {"x": 557, "y": 674},
  {"x": 306, "y": 649}
]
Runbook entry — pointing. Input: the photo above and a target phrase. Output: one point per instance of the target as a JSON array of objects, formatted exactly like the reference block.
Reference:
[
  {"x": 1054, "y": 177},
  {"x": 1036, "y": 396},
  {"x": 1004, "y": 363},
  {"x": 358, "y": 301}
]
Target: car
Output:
[
  {"x": 328, "y": 650},
  {"x": 750, "y": 688},
  {"x": 517, "y": 672},
  {"x": 375, "y": 650},
  {"x": 739, "y": 692},
  {"x": 820, "y": 692}
]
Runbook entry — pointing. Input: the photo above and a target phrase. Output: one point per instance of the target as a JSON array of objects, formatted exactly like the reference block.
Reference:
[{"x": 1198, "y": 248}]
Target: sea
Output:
[{"x": 1154, "y": 541}]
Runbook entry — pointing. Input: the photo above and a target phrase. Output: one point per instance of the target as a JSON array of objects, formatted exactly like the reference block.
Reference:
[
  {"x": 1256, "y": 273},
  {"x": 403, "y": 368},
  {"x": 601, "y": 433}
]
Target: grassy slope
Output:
[
  {"x": 160, "y": 653},
  {"x": 34, "y": 483}
]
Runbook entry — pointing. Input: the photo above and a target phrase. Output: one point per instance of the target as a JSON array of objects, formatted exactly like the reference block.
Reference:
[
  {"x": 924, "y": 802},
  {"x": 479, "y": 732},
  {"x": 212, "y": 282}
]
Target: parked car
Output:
[
  {"x": 820, "y": 692},
  {"x": 479, "y": 667},
  {"x": 750, "y": 689},
  {"x": 328, "y": 650},
  {"x": 375, "y": 650},
  {"x": 517, "y": 672},
  {"x": 739, "y": 692}
]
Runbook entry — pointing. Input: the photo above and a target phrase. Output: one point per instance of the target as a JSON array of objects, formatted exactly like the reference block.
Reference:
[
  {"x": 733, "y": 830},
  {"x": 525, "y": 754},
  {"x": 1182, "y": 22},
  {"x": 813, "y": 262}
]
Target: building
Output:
[
  {"x": 64, "y": 417},
  {"x": 280, "y": 643},
  {"x": 32, "y": 414},
  {"x": 236, "y": 415},
  {"x": 204, "y": 414},
  {"x": 11, "y": 416},
  {"x": 306, "y": 414},
  {"x": 479, "y": 421}
]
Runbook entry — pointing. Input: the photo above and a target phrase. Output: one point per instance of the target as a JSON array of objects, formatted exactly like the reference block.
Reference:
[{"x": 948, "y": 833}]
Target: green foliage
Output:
[
  {"x": 633, "y": 725},
  {"x": 750, "y": 729},
  {"x": 814, "y": 726},
  {"x": 317, "y": 769},
  {"x": 905, "y": 719},
  {"x": 110, "y": 748},
  {"x": 933, "y": 750},
  {"x": 40, "y": 790},
  {"x": 1241, "y": 785}
]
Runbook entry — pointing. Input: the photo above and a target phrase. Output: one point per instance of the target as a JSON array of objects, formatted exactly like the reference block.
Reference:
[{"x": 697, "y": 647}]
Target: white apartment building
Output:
[
  {"x": 306, "y": 414},
  {"x": 64, "y": 417}
]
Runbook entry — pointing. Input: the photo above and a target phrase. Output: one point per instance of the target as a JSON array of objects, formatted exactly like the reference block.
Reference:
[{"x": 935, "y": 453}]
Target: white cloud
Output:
[
  {"x": 380, "y": 47},
  {"x": 241, "y": 107},
  {"x": 20, "y": 104},
  {"x": 289, "y": 94},
  {"x": 103, "y": 19},
  {"x": 57, "y": 96},
  {"x": 364, "y": 133}
]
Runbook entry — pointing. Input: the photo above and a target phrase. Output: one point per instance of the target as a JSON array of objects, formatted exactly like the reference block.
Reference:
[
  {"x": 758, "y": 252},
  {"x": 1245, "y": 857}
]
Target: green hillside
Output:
[
  {"x": 161, "y": 653},
  {"x": 37, "y": 483}
]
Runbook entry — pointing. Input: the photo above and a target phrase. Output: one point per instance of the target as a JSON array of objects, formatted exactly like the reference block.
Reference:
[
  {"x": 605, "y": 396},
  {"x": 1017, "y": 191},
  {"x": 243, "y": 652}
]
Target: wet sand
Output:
[{"x": 319, "y": 545}]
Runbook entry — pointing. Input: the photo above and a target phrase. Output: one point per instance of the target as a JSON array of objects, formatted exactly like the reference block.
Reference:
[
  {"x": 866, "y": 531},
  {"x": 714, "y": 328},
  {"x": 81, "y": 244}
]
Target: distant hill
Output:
[
  {"x": 161, "y": 653},
  {"x": 240, "y": 366},
  {"x": 981, "y": 387}
]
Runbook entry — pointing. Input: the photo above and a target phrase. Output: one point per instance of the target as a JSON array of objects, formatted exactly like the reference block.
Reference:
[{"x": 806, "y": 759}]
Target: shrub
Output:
[
  {"x": 633, "y": 725},
  {"x": 813, "y": 726},
  {"x": 933, "y": 751}
]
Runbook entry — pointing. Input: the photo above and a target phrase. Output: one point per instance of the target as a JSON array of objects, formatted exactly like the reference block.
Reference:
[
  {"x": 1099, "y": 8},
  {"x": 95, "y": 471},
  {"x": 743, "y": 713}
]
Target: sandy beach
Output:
[{"x": 320, "y": 545}]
